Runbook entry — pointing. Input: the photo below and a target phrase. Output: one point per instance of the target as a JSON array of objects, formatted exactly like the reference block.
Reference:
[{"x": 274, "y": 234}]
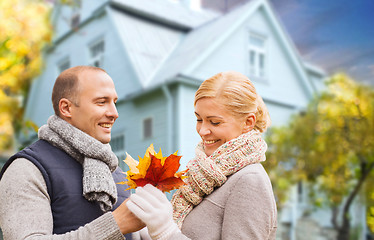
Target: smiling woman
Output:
[
  {"x": 226, "y": 106},
  {"x": 228, "y": 194},
  {"x": 216, "y": 125}
]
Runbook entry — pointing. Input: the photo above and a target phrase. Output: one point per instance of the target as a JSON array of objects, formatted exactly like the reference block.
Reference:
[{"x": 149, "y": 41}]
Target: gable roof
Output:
[
  {"x": 182, "y": 39},
  {"x": 199, "y": 43},
  {"x": 151, "y": 29}
]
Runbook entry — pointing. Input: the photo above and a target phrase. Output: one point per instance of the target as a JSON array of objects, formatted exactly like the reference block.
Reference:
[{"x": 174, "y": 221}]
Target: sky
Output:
[{"x": 337, "y": 35}]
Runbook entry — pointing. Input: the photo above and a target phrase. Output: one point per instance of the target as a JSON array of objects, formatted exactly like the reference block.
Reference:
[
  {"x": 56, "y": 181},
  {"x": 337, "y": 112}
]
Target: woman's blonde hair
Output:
[{"x": 238, "y": 94}]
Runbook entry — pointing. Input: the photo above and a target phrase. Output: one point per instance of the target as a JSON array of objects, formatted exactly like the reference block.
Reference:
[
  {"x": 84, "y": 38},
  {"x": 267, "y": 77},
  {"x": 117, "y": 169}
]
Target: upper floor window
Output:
[
  {"x": 63, "y": 65},
  {"x": 75, "y": 15},
  {"x": 257, "y": 56},
  {"x": 147, "y": 128},
  {"x": 75, "y": 20},
  {"x": 97, "y": 54}
]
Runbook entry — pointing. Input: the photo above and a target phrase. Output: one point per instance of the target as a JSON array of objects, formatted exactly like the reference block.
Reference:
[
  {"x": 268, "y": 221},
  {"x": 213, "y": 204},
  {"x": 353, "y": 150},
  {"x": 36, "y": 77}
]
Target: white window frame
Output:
[
  {"x": 255, "y": 53},
  {"x": 96, "y": 59}
]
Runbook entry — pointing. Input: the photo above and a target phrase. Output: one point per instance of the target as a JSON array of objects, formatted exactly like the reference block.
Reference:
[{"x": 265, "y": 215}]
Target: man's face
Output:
[{"x": 97, "y": 111}]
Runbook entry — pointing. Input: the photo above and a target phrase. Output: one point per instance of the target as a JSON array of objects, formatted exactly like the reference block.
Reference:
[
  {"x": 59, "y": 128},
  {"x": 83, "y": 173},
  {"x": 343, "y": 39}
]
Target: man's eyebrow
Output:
[
  {"x": 105, "y": 97},
  {"x": 97, "y": 98}
]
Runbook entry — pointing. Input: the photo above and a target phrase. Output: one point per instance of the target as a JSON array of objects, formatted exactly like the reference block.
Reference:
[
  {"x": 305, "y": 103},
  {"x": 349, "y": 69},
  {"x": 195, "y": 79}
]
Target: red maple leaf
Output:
[{"x": 163, "y": 177}]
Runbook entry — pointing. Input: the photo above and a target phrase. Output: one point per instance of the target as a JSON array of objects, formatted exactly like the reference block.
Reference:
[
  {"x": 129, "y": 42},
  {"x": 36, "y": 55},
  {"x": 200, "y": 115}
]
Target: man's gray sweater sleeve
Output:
[{"x": 25, "y": 210}]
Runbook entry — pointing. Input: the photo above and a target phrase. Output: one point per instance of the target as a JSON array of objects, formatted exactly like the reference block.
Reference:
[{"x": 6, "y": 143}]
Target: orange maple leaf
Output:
[{"x": 154, "y": 169}]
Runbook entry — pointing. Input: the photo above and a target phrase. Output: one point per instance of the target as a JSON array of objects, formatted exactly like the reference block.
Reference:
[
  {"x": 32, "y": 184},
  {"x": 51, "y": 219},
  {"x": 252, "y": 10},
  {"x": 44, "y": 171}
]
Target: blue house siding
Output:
[
  {"x": 133, "y": 112},
  {"x": 187, "y": 137},
  {"x": 279, "y": 113},
  {"x": 173, "y": 131}
]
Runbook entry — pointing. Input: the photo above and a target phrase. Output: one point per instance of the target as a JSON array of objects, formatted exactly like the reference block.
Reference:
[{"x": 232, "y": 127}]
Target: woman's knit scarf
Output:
[
  {"x": 206, "y": 173},
  {"x": 97, "y": 159}
]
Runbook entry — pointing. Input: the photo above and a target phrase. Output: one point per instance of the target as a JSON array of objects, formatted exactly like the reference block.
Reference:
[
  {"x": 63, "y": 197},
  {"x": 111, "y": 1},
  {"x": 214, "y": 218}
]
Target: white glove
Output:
[
  {"x": 142, "y": 234},
  {"x": 151, "y": 206}
]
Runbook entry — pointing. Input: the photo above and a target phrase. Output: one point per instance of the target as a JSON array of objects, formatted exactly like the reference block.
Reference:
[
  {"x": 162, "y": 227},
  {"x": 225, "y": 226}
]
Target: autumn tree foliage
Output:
[
  {"x": 24, "y": 31},
  {"x": 330, "y": 146}
]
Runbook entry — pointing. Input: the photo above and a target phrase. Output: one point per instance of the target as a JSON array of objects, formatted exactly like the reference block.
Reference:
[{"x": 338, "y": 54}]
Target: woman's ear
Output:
[
  {"x": 65, "y": 108},
  {"x": 249, "y": 123}
]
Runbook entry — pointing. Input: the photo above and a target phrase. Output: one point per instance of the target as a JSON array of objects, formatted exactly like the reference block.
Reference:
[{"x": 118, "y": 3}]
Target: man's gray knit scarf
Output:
[{"x": 97, "y": 159}]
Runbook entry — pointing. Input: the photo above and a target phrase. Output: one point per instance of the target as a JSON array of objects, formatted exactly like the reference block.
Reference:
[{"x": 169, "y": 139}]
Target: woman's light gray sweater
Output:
[{"x": 242, "y": 208}]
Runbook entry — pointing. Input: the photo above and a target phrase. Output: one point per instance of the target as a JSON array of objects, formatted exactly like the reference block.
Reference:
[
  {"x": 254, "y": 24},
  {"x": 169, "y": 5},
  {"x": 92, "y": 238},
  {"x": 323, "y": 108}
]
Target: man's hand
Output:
[{"x": 126, "y": 220}]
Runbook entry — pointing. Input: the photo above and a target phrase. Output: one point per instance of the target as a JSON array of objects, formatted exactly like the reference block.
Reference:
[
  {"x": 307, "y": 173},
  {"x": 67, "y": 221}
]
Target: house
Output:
[{"x": 159, "y": 51}]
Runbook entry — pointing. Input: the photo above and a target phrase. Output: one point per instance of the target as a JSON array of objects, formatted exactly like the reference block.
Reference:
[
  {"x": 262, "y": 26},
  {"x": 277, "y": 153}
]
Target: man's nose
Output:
[{"x": 112, "y": 111}]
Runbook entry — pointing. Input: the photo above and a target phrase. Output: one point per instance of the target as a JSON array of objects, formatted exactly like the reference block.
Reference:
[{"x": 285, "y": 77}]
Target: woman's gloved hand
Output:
[{"x": 151, "y": 206}]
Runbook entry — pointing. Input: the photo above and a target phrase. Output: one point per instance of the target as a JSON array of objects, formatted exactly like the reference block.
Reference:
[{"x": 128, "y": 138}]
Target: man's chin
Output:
[{"x": 104, "y": 140}]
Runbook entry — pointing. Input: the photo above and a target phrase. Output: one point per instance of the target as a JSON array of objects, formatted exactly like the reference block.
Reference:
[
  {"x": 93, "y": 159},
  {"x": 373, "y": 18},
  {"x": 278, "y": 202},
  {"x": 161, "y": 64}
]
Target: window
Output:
[
  {"x": 97, "y": 54},
  {"x": 75, "y": 15},
  {"x": 118, "y": 147},
  {"x": 74, "y": 21},
  {"x": 118, "y": 143},
  {"x": 257, "y": 56},
  {"x": 63, "y": 65},
  {"x": 147, "y": 128}
]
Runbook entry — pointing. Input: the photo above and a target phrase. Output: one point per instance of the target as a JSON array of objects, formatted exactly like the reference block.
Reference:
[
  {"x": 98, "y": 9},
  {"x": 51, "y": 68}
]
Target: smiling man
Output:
[
  {"x": 63, "y": 186},
  {"x": 91, "y": 104}
]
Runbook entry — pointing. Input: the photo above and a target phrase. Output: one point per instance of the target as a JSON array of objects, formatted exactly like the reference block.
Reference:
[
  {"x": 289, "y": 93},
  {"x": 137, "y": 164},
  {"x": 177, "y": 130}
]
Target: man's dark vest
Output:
[{"x": 63, "y": 176}]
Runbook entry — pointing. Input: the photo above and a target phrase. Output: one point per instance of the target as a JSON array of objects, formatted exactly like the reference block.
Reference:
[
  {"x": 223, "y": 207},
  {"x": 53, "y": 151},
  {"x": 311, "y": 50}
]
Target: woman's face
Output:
[{"x": 216, "y": 125}]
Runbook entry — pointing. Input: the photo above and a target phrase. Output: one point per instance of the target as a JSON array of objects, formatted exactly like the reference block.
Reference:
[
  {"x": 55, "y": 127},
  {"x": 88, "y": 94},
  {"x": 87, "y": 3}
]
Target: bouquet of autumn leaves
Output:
[{"x": 154, "y": 169}]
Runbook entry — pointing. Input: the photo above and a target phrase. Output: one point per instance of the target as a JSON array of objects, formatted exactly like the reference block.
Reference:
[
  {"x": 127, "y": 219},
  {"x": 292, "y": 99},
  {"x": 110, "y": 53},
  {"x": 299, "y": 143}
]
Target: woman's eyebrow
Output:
[
  {"x": 214, "y": 117},
  {"x": 209, "y": 116}
]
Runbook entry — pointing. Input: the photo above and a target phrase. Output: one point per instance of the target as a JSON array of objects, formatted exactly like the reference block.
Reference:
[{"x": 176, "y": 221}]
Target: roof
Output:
[
  {"x": 195, "y": 43},
  {"x": 166, "y": 12},
  {"x": 166, "y": 40},
  {"x": 152, "y": 29}
]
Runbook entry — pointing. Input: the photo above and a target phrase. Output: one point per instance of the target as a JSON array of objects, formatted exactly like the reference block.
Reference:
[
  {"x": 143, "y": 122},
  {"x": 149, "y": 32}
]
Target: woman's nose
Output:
[{"x": 204, "y": 130}]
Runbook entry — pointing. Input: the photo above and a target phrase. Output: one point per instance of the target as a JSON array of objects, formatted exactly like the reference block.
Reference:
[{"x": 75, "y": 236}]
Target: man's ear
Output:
[
  {"x": 249, "y": 123},
  {"x": 64, "y": 107}
]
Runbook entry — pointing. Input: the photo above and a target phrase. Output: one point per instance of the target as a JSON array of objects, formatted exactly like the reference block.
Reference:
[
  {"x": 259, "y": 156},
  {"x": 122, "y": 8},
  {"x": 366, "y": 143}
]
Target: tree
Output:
[
  {"x": 331, "y": 146},
  {"x": 24, "y": 31}
]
